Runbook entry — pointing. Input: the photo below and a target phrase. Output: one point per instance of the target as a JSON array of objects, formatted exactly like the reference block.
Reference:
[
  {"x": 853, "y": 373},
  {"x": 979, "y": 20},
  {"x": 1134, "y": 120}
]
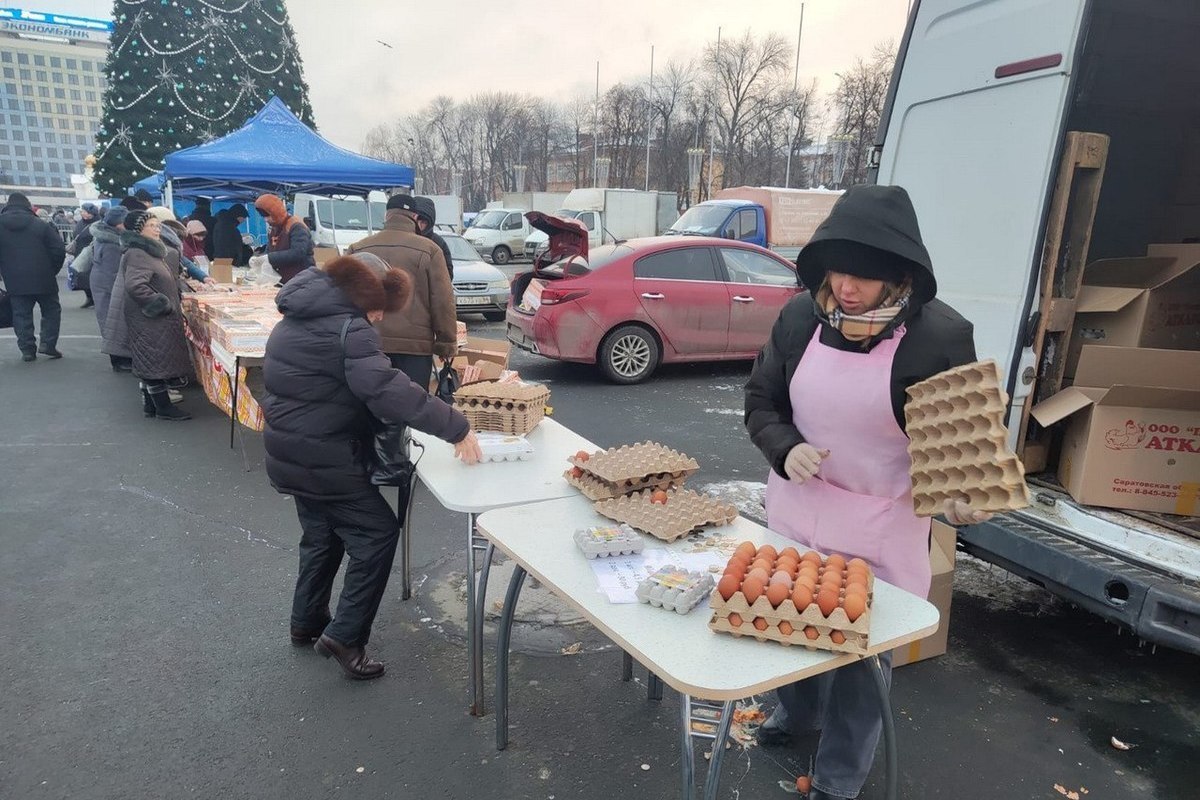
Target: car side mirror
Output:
[{"x": 729, "y": 234}]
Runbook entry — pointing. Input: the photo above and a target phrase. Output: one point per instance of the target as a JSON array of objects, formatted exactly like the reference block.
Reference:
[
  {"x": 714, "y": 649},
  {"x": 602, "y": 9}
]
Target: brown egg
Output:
[
  {"x": 854, "y": 606},
  {"x": 812, "y": 557},
  {"x": 803, "y": 784},
  {"x": 808, "y": 568},
  {"x": 807, "y": 580},
  {"x": 760, "y": 573},
  {"x": 760, "y": 623},
  {"x": 811, "y": 632},
  {"x": 746, "y": 550},
  {"x": 832, "y": 579},
  {"x": 781, "y": 576},
  {"x": 836, "y": 561},
  {"x": 837, "y": 637},
  {"x": 768, "y": 552},
  {"x": 752, "y": 587},
  {"x": 786, "y": 628},
  {"x": 735, "y": 620},
  {"x": 736, "y": 568},
  {"x": 764, "y": 562},
  {"x": 858, "y": 563},
  {"x": 788, "y": 564},
  {"x": 777, "y": 593},
  {"x": 789, "y": 552},
  {"x": 827, "y": 600},
  {"x": 858, "y": 590},
  {"x": 728, "y": 586},
  {"x": 802, "y": 596}
]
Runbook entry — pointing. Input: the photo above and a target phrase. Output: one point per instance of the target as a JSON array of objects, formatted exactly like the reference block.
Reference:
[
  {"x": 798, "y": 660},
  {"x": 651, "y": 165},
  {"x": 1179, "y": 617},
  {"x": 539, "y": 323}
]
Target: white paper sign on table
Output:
[{"x": 618, "y": 577}]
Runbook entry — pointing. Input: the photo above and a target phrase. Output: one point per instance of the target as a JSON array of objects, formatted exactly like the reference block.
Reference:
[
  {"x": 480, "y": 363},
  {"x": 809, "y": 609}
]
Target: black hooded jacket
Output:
[
  {"x": 31, "y": 251},
  {"x": 321, "y": 397},
  {"x": 227, "y": 238},
  {"x": 937, "y": 338},
  {"x": 425, "y": 207}
]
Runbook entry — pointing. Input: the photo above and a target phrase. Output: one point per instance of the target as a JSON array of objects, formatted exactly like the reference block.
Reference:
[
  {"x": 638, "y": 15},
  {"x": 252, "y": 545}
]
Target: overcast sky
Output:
[{"x": 467, "y": 46}]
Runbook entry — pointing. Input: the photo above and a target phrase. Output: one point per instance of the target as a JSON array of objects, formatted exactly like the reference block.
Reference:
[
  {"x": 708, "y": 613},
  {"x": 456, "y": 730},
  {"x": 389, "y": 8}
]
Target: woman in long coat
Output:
[
  {"x": 153, "y": 316},
  {"x": 106, "y": 262}
]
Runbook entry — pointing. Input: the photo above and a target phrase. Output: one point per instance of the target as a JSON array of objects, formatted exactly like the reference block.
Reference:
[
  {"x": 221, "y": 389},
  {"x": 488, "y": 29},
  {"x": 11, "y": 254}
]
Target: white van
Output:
[
  {"x": 341, "y": 221},
  {"x": 982, "y": 99}
]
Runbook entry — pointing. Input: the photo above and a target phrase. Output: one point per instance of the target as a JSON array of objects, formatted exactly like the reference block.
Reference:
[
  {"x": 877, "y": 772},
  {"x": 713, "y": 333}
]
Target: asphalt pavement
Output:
[{"x": 145, "y": 586}]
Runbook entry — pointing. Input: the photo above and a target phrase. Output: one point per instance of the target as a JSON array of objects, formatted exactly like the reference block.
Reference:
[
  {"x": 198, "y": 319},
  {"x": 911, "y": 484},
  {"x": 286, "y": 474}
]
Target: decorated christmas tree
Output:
[{"x": 183, "y": 72}]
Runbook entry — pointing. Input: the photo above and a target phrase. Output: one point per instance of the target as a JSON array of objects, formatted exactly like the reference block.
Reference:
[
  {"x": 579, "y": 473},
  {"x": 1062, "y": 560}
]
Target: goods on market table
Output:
[
  {"x": 608, "y": 474},
  {"x": 514, "y": 407},
  {"x": 674, "y": 589},
  {"x": 683, "y": 511},
  {"x": 604, "y": 541},
  {"x": 791, "y": 598},
  {"x": 959, "y": 444},
  {"x": 498, "y": 447}
]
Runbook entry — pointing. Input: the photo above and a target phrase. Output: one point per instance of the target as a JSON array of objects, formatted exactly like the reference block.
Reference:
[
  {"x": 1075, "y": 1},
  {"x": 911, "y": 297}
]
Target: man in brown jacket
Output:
[{"x": 426, "y": 327}]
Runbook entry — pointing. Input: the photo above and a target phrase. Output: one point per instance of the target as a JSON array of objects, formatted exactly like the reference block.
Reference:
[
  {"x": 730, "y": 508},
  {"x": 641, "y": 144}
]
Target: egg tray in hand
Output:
[
  {"x": 603, "y": 541},
  {"x": 595, "y": 489},
  {"x": 632, "y": 465},
  {"x": 959, "y": 444},
  {"x": 509, "y": 407},
  {"x": 674, "y": 589},
  {"x": 683, "y": 512}
]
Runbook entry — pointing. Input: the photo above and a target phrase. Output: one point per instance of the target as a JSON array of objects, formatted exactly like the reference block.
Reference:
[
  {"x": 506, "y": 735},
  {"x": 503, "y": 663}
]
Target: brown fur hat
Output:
[{"x": 370, "y": 283}]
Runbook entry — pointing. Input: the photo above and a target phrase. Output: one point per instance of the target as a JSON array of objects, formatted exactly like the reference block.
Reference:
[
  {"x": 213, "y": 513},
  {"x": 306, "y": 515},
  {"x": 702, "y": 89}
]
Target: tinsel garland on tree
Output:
[{"x": 183, "y": 72}]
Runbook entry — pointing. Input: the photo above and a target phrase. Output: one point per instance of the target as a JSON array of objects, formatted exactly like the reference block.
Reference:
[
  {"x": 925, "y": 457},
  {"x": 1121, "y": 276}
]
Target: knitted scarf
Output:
[{"x": 869, "y": 324}]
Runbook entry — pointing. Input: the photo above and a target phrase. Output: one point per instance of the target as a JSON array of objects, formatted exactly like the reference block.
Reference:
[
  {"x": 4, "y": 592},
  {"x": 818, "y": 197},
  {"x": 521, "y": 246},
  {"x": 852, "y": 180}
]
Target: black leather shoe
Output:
[
  {"x": 29, "y": 356},
  {"x": 49, "y": 352},
  {"x": 304, "y": 638},
  {"x": 354, "y": 660}
]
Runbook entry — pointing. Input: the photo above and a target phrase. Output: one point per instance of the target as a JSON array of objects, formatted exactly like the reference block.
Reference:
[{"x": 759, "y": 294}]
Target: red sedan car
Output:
[{"x": 639, "y": 303}]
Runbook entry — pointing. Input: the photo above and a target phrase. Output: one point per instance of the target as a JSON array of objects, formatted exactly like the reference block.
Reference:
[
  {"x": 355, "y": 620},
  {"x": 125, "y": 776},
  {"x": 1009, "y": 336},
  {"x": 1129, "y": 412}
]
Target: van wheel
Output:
[
  {"x": 501, "y": 255},
  {"x": 629, "y": 354}
]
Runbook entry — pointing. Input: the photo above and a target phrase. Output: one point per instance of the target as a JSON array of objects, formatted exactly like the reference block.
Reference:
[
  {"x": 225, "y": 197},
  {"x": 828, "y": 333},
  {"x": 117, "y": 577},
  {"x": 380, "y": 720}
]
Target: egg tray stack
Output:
[
  {"x": 959, "y": 444},
  {"x": 508, "y": 407},
  {"x": 676, "y": 513},
  {"x": 788, "y": 625},
  {"x": 613, "y": 473}
]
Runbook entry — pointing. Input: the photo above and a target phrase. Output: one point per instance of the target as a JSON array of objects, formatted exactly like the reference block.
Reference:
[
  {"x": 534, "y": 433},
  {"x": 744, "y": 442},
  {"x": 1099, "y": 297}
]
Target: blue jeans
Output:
[
  {"x": 22, "y": 311},
  {"x": 844, "y": 706}
]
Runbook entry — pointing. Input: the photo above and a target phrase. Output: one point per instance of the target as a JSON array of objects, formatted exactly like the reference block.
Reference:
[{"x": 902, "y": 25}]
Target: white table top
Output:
[
  {"x": 226, "y": 359},
  {"x": 681, "y": 649},
  {"x": 482, "y": 487}
]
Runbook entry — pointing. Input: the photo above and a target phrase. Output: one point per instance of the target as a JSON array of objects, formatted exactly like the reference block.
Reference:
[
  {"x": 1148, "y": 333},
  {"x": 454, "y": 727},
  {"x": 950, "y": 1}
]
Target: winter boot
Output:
[
  {"x": 50, "y": 352},
  {"x": 164, "y": 410},
  {"x": 147, "y": 402}
]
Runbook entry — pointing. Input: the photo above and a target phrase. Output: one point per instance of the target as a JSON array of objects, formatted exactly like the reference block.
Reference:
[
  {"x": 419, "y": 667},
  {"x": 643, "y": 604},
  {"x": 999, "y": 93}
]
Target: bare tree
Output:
[{"x": 858, "y": 103}]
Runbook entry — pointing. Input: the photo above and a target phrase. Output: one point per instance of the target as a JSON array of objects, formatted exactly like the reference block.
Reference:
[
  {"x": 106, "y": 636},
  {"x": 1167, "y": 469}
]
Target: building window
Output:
[
  {"x": 77, "y": 110},
  {"x": 4, "y": 150},
  {"x": 63, "y": 124},
  {"x": 11, "y": 88},
  {"x": 49, "y": 135},
  {"x": 9, "y": 72},
  {"x": 39, "y": 166},
  {"x": 58, "y": 77},
  {"x": 18, "y": 149},
  {"x": 75, "y": 95},
  {"x": 60, "y": 94},
  {"x": 91, "y": 96},
  {"x": 41, "y": 75},
  {"x": 6, "y": 57},
  {"x": 36, "y": 152},
  {"x": 72, "y": 64},
  {"x": 56, "y": 62},
  {"x": 103, "y": 82},
  {"x": 88, "y": 80},
  {"x": 80, "y": 140},
  {"x": 93, "y": 111},
  {"x": 87, "y": 65},
  {"x": 52, "y": 152},
  {"x": 43, "y": 91},
  {"x": 34, "y": 136},
  {"x": 22, "y": 58},
  {"x": 60, "y": 108},
  {"x": 73, "y": 79},
  {"x": 78, "y": 124},
  {"x": 25, "y": 74},
  {"x": 27, "y": 90},
  {"x": 39, "y": 61}
]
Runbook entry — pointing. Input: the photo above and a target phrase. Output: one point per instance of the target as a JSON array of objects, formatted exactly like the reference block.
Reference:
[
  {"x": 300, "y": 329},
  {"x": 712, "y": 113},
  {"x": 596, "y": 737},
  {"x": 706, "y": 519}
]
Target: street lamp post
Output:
[{"x": 695, "y": 159}]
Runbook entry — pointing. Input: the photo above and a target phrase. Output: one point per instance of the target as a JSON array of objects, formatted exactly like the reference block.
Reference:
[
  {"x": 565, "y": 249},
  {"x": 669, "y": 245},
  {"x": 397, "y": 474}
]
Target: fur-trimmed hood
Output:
[
  {"x": 103, "y": 232},
  {"x": 152, "y": 246},
  {"x": 343, "y": 286}
]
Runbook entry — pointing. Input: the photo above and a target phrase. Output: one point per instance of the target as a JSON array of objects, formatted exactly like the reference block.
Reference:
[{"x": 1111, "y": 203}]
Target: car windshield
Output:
[
  {"x": 350, "y": 215},
  {"x": 459, "y": 249},
  {"x": 702, "y": 220},
  {"x": 597, "y": 258},
  {"x": 490, "y": 219}
]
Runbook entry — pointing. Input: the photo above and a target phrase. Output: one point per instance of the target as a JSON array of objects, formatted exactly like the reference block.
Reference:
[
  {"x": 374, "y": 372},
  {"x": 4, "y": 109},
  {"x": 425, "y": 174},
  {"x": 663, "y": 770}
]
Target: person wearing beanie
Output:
[
  {"x": 289, "y": 245},
  {"x": 161, "y": 213},
  {"x": 226, "y": 235},
  {"x": 326, "y": 379},
  {"x": 194, "y": 239},
  {"x": 31, "y": 255},
  {"x": 146, "y": 199},
  {"x": 81, "y": 238},
  {"x": 427, "y": 327},
  {"x": 825, "y": 405},
  {"x": 153, "y": 316},
  {"x": 426, "y": 219},
  {"x": 202, "y": 213},
  {"x": 106, "y": 262}
]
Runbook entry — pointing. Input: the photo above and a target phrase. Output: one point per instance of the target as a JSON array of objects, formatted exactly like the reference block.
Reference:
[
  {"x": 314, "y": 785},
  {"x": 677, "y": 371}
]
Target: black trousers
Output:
[
  {"x": 419, "y": 369},
  {"x": 22, "y": 311},
  {"x": 363, "y": 528}
]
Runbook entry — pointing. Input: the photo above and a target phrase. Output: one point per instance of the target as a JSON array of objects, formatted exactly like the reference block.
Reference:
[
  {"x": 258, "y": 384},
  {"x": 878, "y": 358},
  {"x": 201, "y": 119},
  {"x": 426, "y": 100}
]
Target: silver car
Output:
[{"x": 478, "y": 286}]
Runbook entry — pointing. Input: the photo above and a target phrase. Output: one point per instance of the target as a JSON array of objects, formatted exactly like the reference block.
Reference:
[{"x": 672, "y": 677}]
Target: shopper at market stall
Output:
[
  {"x": 825, "y": 406},
  {"x": 426, "y": 220},
  {"x": 31, "y": 256},
  {"x": 81, "y": 237},
  {"x": 427, "y": 326},
  {"x": 326, "y": 380},
  {"x": 289, "y": 245},
  {"x": 194, "y": 240},
  {"x": 106, "y": 261},
  {"x": 203, "y": 215},
  {"x": 153, "y": 316},
  {"x": 227, "y": 238},
  {"x": 174, "y": 234}
]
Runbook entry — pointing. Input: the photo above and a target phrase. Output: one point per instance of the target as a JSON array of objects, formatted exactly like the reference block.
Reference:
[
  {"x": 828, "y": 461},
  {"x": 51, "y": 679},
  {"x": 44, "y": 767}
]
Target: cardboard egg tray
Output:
[
  {"x": 596, "y": 489},
  {"x": 856, "y": 632},
  {"x": 504, "y": 407},
  {"x": 684, "y": 512},
  {"x": 959, "y": 444},
  {"x": 632, "y": 465},
  {"x": 674, "y": 589}
]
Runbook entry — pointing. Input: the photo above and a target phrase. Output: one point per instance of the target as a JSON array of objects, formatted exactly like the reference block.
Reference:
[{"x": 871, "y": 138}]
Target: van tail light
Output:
[{"x": 552, "y": 296}]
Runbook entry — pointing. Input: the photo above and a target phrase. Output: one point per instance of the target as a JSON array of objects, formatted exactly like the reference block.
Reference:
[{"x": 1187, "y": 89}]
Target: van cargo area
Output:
[{"x": 1130, "y": 73}]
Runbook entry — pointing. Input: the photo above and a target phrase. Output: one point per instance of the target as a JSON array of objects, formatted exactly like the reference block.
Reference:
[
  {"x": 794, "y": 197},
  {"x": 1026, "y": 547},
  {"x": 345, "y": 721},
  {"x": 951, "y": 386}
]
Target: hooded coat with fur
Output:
[
  {"x": 106, "y": 260},
  {"x": 152, "y": 312},
  {"x": 321, "y": 394}
]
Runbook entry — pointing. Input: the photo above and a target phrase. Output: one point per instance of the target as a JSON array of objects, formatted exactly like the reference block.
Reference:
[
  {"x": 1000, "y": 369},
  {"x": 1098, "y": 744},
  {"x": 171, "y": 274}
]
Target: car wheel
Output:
[
  {"x": 629, "y": 354},
  {"x": 501, "y": 255},
  {"x": 494, "y": 316}
]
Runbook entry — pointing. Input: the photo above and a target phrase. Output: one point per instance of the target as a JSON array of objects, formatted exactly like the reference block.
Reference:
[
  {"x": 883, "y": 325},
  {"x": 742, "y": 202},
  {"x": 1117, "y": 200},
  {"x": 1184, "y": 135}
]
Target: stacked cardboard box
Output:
[{"x": 941, "y": 593}]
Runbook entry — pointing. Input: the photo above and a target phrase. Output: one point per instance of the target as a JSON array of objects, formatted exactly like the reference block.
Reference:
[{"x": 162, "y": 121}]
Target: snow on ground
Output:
[
  {"x": 732, "y": 412},
  {"x": 746, "y": 496}
]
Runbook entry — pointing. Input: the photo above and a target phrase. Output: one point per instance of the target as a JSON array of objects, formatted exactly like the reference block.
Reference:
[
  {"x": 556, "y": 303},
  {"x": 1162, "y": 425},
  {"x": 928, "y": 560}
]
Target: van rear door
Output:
[{"x": 972, "y": 132}]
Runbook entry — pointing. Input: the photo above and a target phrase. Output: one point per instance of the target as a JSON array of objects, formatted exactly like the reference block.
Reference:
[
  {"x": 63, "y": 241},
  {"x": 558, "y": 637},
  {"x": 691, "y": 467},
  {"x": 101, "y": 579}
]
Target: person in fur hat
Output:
[{"x": 326, "y": 380}]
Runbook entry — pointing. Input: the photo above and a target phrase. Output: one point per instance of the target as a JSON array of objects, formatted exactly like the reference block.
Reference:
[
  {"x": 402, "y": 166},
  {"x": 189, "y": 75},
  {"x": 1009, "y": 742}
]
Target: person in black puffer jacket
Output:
[
  {"x": 227, "y": 238},
  {"x": 31, "y": 255},
  {"x": 326, "y": 378}
]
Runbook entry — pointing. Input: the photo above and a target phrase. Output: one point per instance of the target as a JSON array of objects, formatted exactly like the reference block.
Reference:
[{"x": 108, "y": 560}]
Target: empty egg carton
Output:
[
  {"x": 595, "y": 489},
  {"x": 683, "y": 512},
  {"x": 959, "y": 444},
  {"x": 609, "y": 540},
  {"x": 675, "y": 589},
  {"x": 630, "y": 466},
  {"x": 504, "y": 447},
  {"x": 505, "y": 407}
]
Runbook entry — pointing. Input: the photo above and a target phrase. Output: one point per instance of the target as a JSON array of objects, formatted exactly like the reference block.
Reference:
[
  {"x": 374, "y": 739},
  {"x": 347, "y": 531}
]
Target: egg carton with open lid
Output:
[
  {"x": 505, "y": 407},
  {"x": 634, "y": 465},
  {"x": 683, "y": 512},
  {"x": 959, "y": 444},
  {"x": 674, "y": 589}
]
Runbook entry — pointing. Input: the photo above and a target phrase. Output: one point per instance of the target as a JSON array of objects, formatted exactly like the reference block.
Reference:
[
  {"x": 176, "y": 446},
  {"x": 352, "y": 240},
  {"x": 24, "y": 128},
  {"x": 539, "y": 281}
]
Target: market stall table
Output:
[
  {"x": 482, "y": 487},
  {"x": 232, "y": 364},
  {"x": 681, "y": 650}
]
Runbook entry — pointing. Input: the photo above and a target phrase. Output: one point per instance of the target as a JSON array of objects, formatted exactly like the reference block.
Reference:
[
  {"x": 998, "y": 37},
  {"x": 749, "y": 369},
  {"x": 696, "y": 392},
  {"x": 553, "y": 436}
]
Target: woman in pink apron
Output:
[{"x": 825, "y": 406}]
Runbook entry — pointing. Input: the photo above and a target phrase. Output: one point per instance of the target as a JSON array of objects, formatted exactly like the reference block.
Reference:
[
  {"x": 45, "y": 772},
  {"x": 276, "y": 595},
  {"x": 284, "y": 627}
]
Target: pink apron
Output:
[{"x": 860, "y": 502}]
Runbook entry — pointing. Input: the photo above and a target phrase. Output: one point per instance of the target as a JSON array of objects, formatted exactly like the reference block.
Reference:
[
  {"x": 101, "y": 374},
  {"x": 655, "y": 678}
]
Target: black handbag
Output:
[
  {"x": 387, "y": 458},
  {"x": 6, "y": 320},
  {"x": 447, "y": 384}
]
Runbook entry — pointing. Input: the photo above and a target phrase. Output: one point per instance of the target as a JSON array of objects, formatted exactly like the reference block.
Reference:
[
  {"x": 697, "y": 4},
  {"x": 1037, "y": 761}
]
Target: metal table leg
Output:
[
  {"x": 704, "y": 721},
  {"x": 406, "y": 539},
  {"x": 480, "y": 616},
  {"x": 626, "y": 666},
  {"x": 473, "y": 676},
  {"x": 233, "y": 390},
  {"x": 503, "y": 638},
  {"x": 688, "y": 760},
  {"x": 654, "y": 688},
  {"x": 891, "y": 780}
]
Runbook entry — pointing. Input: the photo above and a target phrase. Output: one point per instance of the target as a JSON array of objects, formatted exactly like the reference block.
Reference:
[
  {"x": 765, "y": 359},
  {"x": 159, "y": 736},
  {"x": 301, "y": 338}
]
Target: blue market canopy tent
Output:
[
  {"x": 275, "y": 152},
  {"x": 152, "y": 184}
]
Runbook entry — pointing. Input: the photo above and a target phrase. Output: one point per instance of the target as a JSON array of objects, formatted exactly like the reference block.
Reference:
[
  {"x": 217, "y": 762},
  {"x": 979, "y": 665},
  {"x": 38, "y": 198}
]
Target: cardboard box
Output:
[
  {"x": 1152, "y": 301},
  {"x": 1133, "y": 429},
  {"x": 494, "y": 350},
  {"x": 221, "y": 270},
  {"x": 941, "y": 592},
  {"x": 323, "y": 254}
]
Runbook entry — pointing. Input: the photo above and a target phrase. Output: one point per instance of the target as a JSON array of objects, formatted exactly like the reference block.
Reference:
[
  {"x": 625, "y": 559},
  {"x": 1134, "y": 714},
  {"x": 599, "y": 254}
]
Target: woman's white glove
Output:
[
  {"x": 803, "y": 461},
  {"x": 958, "y": 513},
  {"x": 257, "y": 262}
]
